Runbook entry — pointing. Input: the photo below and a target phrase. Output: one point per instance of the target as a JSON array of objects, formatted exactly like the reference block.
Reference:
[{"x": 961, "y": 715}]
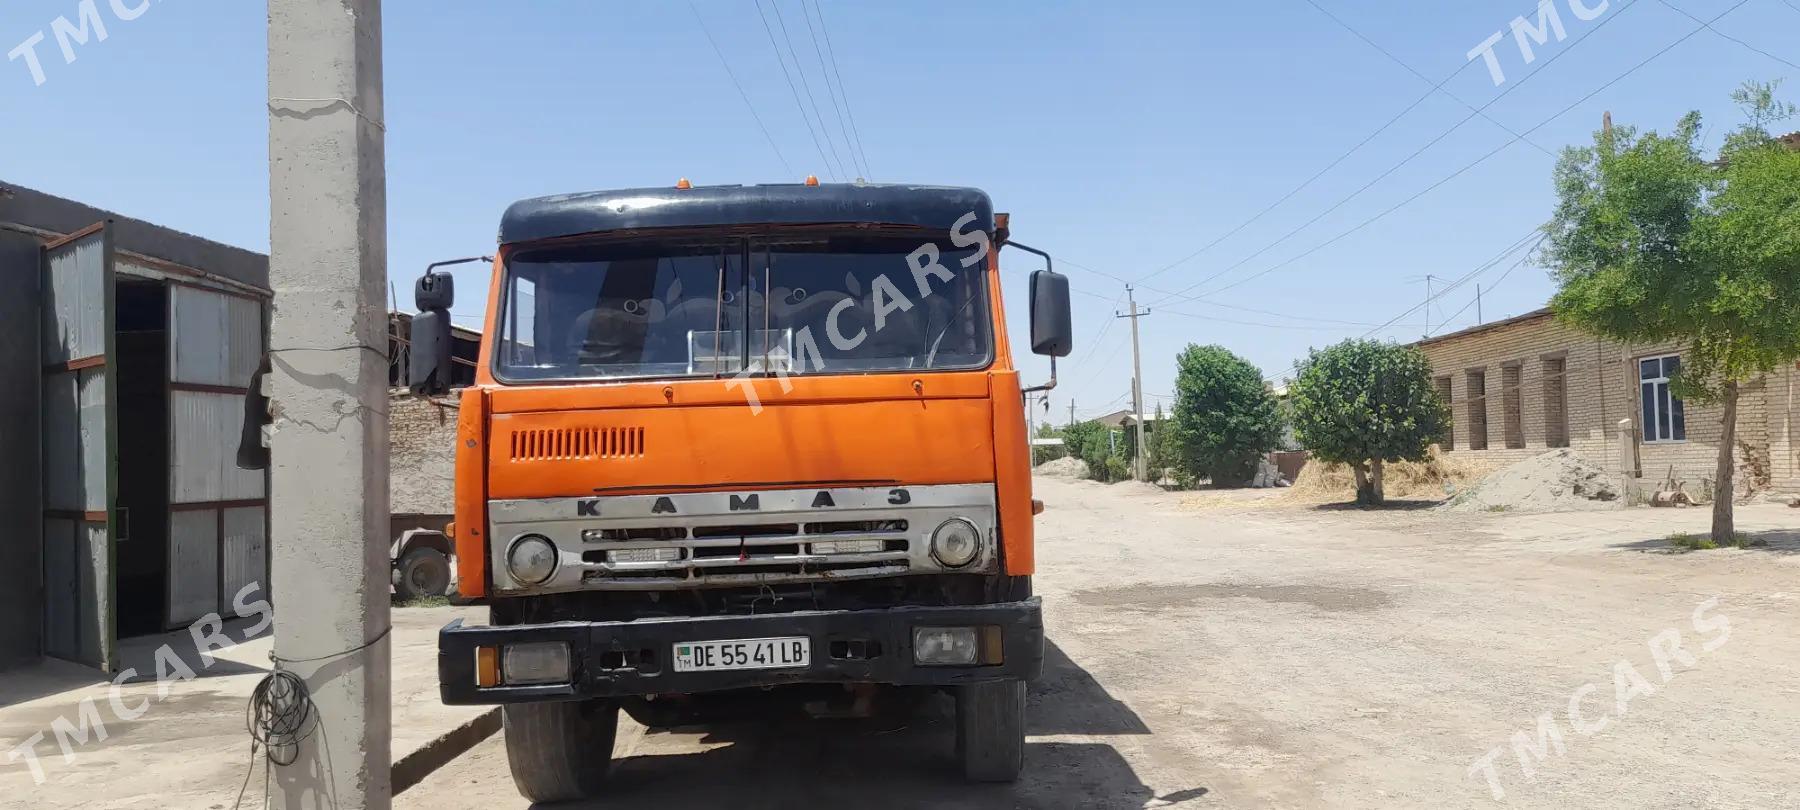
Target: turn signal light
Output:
[
  {"x": 812, "y": 179},
  {"x": 683, "y": 184},
  {"x": 487, "y": 667}
]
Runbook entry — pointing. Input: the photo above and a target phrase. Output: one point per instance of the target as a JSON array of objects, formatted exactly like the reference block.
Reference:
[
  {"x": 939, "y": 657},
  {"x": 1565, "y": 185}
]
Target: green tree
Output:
[
  {"x": 1047, "y": 452},
  {"x": 1090, "y": 441},
  {"x": 1157, "y": 458},
  {"x": 1653, "y": 242},
  {"x": 1225, "y": 417},
  {"x": 1365, "y": 403}
]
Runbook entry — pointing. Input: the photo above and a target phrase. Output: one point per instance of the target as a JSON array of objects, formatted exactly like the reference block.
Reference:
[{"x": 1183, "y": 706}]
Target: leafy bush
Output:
[{"x": 1225, "y": 417}]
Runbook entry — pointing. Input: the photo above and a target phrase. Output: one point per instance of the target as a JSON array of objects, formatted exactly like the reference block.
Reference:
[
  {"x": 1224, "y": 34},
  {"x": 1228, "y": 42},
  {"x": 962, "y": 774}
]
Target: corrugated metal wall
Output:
[
  {"x": 74, "y": 292},
  {"x": 245, "y": 550},
  {"x": 74, "y": 345},
  {"x": 193, "y": 564},
  {"x": 204, "y": 454},
  {"x": 214, "y": 339},
  {"x": 218, "y": 543}
]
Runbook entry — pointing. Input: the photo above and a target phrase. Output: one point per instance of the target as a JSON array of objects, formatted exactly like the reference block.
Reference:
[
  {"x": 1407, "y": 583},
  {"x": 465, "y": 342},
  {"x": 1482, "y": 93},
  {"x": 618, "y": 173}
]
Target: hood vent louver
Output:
[{"x": 572, "y": 444}]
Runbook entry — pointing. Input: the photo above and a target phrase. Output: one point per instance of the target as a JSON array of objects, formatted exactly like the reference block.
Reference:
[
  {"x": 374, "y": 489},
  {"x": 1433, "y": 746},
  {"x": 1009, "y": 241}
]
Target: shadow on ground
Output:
[
  {"x": 1769, "y": 541},
  {"x": 901, "y": 760},
  {"x": 1389, "y": 506},
  {"x": 141, "y": 653}
]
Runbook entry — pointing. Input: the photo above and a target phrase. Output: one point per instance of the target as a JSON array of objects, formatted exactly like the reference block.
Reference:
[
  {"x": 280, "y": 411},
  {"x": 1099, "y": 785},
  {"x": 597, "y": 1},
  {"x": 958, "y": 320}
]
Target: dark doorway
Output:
[{"x": 142, "y": 351}]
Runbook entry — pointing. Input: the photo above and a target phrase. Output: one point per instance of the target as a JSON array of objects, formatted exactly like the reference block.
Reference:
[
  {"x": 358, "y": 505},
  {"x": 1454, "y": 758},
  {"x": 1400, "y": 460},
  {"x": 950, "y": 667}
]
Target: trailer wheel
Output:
[
  {"x": 560, "y": 751},
  {"x": 990, "y": 730},
  {"x": 422, "y": 572}
]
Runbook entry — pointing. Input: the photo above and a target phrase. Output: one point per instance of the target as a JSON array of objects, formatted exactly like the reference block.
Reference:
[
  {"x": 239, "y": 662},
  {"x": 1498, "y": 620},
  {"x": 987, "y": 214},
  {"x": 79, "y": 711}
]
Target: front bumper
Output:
[{"x": 615, "y": 659}]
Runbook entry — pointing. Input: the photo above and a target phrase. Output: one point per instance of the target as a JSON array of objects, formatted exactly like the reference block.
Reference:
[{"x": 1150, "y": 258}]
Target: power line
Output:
[
  {"x": 776, "y": 4},
  {"x": 1105, "y": 324},
  {"x": 792, "y": 88},
  {"x": 848, "y": 110},
  {"x": 1479, "y": 269},
  {"x": 1409, "y": 158},
  {"x": 1316, "y": 175},
  {"x": 1708, "y": 26},
  {"x": 1278, "y": 314},
  {"x": 1477, "y": 297},
  {"x": 1216, "y": 319},
  {"x": 862, "y": 167},
  {"x": 1459, "y": 172},
  {"x": 1409, "y": 68},
  {"x": 740, "y": 88},
  {"x": 1080, "y": 266}
]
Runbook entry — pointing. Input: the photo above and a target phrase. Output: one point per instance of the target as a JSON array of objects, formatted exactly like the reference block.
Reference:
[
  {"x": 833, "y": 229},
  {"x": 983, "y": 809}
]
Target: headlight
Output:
[
  {"x": 955, "y": 543},
  {"x": 532, "y": 559}
]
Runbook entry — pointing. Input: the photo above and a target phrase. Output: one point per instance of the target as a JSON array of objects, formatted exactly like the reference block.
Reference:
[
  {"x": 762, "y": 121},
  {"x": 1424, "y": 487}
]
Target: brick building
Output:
[{"x": 1525, "y": 384}]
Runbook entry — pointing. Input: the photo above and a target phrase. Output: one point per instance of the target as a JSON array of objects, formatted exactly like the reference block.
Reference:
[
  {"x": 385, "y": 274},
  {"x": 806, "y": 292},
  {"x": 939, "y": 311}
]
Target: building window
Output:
[
  {"x": 1556, "y": 403},
  {"x": 1663, "y": 418},
  {"x": 1512, "y": 417},
  {"x": 1443, "y": 391},
  {"x": 1477, "y": 404}
]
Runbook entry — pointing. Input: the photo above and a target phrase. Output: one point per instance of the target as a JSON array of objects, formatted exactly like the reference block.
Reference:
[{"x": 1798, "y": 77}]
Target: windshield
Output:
[{"x": 812, "y": 305}]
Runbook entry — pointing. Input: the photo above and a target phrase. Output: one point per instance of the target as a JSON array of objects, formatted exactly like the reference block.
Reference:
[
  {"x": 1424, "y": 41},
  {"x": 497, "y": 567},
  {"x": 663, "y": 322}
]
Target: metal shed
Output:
[{"x": 130, "y": 349}]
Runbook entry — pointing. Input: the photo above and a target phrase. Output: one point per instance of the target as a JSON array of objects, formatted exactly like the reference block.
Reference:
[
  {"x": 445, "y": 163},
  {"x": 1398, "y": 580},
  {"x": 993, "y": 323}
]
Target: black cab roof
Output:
[{"x": 936, "y": 208}]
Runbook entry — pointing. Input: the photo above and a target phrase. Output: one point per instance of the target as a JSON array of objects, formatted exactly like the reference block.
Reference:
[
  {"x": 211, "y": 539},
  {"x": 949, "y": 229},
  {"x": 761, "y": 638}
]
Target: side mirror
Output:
[
  {"x": 429, "y": 359},
  {"x": 1051, "y": 332},
  {"x": 434, "y": 290}
]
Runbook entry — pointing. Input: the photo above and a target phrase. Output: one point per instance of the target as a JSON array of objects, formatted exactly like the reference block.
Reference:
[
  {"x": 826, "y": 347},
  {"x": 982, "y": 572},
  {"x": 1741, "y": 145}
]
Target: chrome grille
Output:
[{"x": 719, "y": 538}]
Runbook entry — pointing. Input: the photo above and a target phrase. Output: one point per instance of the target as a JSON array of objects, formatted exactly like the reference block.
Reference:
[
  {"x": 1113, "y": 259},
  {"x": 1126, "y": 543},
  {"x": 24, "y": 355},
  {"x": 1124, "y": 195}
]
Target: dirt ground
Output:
[{"x": 1246, "y": 651}]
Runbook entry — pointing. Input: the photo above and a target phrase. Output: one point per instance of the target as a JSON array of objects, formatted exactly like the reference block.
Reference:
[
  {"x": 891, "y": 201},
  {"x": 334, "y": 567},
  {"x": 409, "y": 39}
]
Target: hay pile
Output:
[
  {"x": 1067, "y": 467},
  {"x": 1554, "y": 481},
  {"x": 1323, "y": 482}
]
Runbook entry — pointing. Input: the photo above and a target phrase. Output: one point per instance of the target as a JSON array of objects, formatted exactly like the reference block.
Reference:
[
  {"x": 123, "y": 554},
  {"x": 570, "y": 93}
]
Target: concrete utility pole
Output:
[
  {"x": 328, "y": 395},
  {"x": 1071, "y": 411},
  {"x": 1137, "y": 383}
]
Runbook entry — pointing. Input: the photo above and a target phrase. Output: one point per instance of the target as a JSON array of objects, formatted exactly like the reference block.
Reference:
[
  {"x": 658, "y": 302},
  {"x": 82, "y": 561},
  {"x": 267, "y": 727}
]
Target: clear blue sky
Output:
[{"x": 1121, "y": 136}]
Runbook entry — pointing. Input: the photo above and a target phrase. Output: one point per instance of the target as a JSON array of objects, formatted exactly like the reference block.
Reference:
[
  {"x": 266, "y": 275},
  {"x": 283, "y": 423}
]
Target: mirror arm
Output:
[
  {"x": 1046, "y": 386},
  {"x": 1050, "y": 267},
  {"x": 447, "y": 262}
]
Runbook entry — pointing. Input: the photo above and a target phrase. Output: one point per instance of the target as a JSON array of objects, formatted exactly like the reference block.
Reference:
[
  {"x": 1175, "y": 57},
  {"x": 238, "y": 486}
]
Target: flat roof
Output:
[
  {"x": 936, "y": 208},
  {"x": 48, "y": 213},
  {"x": 1541, "y": 312}
]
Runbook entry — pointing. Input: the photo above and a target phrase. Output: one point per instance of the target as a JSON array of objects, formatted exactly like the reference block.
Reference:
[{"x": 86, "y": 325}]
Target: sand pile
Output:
[
  {"x": 1067, "y": 467},
  {"x": 1555, "y": 481},
  {"x": 1319, "y": 481}
]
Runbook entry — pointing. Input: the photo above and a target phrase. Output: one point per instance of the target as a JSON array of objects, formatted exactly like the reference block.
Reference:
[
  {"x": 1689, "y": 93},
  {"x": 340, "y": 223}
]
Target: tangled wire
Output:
[{"x": 281, "y": 713}]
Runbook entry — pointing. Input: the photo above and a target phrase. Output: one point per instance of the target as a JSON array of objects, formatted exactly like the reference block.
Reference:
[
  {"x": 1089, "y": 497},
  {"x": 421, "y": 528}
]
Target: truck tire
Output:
[
  {"x": 422, "y": 572},
  {"x": 990, "y": 730},
  {"x": 560, "y": 751}
]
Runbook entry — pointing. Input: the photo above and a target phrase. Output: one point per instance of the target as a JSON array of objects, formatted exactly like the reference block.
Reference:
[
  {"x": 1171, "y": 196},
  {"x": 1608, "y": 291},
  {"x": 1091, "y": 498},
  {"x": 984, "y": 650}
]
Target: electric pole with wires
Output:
[{"x": 1137, "y": 384}]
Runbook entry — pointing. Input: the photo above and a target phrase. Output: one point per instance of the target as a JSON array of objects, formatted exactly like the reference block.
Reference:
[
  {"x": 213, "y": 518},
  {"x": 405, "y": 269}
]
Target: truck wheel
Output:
[
  {"x": 990, "y": 730},
  {"x": 560, "y": 751},
  {"x": 422, "y": 572}
]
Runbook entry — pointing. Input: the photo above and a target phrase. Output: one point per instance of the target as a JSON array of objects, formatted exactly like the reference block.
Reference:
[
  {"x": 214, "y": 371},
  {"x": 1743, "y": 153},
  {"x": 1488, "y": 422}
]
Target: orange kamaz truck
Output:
[{"x": 735, "y": 438}]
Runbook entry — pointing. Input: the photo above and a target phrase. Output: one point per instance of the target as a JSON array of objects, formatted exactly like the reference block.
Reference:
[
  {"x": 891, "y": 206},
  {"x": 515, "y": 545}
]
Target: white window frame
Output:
[{"x": 1653, "y": 420}]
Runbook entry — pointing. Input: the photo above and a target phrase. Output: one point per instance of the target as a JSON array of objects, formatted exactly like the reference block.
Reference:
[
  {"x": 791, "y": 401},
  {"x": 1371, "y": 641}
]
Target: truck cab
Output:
[{"x": 741, "y": 437}]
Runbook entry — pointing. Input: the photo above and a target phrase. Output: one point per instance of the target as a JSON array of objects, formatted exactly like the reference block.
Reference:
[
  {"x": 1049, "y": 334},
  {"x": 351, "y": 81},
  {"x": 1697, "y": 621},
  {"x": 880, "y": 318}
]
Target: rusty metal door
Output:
[{"x": 80, "y": 448}]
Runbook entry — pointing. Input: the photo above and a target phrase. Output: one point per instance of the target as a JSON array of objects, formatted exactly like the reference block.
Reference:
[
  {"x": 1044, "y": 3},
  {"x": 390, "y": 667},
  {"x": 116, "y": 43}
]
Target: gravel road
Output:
[{"x": 1209, "y": 651}]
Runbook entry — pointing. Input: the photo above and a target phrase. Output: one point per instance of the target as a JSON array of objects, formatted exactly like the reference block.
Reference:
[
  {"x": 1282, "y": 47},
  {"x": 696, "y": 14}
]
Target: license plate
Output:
[{"x": 743, "y": 653}]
